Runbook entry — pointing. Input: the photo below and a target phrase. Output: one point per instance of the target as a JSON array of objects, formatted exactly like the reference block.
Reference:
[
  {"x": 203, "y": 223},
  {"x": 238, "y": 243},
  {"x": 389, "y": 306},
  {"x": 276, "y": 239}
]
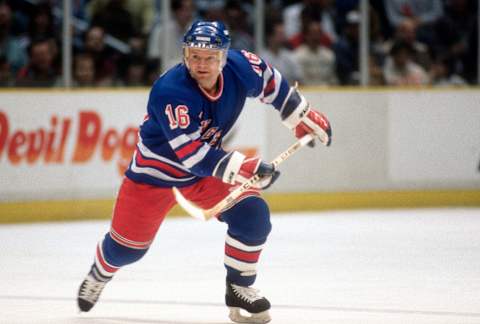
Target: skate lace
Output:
[
  {"x": 247, "y": 293},
  {"x": 91, "y": 289}
]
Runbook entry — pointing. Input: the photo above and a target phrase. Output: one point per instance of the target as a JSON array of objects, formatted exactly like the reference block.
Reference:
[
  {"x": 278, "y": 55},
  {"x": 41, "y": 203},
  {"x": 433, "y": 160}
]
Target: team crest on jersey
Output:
[{"x": 210, "y": 135}]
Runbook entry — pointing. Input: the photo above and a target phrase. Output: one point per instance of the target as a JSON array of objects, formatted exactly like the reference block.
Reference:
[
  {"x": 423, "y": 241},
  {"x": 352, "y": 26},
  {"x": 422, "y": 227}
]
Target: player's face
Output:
[{"x": 204, "y": 66}]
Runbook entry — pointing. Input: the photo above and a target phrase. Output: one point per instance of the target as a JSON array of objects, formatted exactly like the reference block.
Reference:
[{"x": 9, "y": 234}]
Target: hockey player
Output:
[{"x": 190, "y": 108}]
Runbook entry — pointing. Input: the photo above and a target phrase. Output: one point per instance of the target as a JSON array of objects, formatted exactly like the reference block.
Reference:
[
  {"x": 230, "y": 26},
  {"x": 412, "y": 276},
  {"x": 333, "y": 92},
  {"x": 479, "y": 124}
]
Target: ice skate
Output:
[
  {"x": 247, "y": 299},
  {"x": 89, "y": 291}
]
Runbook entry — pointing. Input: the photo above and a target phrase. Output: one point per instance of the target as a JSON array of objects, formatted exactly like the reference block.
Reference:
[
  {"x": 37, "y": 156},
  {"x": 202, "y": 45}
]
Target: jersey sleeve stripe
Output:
[
  {"x": 197, "y": 157},
  {"x": 146, "y": 152},
  {"x": 184, "y": 138},
  {"x": 272, "y": 86},
  {"x": 161, "y": 166},
  {"x": 188, "y": 149},
  {"x": 154, "y": 172}
]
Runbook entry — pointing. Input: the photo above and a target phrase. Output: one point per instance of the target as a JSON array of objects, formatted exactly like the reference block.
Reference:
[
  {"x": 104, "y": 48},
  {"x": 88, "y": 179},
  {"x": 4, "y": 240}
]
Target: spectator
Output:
[
  {"x": 317, "y": 61},
  {"x": 276, "y": 54},
  {"x": 142, "y": 12},
  {"x": 385, "y": 28},
  {"x": 10, "y": 47},
  {"x": 5, "y": 73},
  {"x": 114, "y": 18},
  {"x": 320, "y": 10},
  {"x": 441, "y": 75},
  {"x": 453, "y": 35},
  {"x": 182, "y": 14},
  {"x": 40, "y": 71},
  {"x": 105, "y": 59},
  {"x": 236, "y": 19},
  {"x": 471, "y": 56},
  {"x": 135, "y": 74},
  {"x": 151, "y": 71},
  {"x": 138, "y": 46},
  {"x": 41, "y": 23},
  {"x": 401, "y": 70},
  {"x": 423, "y": 13},
  {"x": 307, "y": 15},
  {"x": 83, "y": 71},
  {"x": 376, "y": 77},
  {"x": 211, "y": 10},
  {"x": 406, "y": 31},
  {"x": 347, "y": 51}
]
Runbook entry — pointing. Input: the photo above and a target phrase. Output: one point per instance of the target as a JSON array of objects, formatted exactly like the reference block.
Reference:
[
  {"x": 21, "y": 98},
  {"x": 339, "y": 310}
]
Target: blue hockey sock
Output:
[{"x": 248, "y": 228}]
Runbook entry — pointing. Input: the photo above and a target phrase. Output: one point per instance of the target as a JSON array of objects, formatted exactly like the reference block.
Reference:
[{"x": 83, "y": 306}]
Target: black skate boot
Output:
[
  {"x": 90, "y": 290},
  {"x": 248, "y": 299}
]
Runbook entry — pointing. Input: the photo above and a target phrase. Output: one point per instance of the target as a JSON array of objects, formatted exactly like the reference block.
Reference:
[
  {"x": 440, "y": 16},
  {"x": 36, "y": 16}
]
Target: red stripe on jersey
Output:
[
  {"x": 188, "y": 149},
  {"x": 270, "y": 87},
  {"x": 142, "y": 162},
  {"x": 241, "y": 255},
  {"x": 103, "y": 263}
]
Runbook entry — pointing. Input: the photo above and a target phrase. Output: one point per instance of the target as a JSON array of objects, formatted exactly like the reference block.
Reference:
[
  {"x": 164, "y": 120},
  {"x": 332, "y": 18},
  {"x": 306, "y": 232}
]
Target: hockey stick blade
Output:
[
  {"x": 205, "y": 214},
  {"x": 192, "y": 209}
]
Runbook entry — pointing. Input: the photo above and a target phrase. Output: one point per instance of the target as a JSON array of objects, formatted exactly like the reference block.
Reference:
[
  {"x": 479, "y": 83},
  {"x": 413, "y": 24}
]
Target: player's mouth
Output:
[{"x": 203, "y": 74}]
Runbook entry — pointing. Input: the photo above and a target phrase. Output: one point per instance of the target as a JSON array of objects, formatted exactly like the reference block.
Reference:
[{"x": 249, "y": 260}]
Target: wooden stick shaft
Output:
[{"x": 250, "y": 182}]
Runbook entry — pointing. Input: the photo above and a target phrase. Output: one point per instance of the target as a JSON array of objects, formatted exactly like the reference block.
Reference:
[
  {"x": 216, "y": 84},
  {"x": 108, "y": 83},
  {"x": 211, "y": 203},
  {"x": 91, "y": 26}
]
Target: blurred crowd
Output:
[{"x": 314, "y": 42}]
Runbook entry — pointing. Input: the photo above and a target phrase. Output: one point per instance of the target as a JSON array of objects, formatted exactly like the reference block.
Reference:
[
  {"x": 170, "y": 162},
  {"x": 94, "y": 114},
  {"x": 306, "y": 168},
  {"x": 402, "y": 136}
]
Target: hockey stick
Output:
[{"x": 206, "y": 214}]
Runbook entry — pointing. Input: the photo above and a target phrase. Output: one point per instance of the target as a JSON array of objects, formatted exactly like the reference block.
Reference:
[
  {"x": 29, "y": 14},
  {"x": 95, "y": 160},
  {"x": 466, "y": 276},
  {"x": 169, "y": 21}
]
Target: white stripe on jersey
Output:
[
  {"x": 197, "y": 157},
  {"x": 278, "y": 80},
  {"x": 184, "y": 138},
  {"x": 154, "y": 172},
  {"x": 147, "y": 153},
  {"x": 266, "y": 76}
]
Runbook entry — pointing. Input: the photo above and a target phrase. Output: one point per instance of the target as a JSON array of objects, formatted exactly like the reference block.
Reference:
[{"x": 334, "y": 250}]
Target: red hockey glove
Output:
[
  {"x": 297, "y": 115},
  {"x": 236, "y": 169},
  {"x": 316, "y": 123},
  {"x": 254, "y": 166}
]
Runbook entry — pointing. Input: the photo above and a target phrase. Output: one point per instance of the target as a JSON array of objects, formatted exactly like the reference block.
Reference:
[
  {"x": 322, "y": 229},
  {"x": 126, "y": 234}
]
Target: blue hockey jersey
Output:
[{"x": 180, "y": 138}]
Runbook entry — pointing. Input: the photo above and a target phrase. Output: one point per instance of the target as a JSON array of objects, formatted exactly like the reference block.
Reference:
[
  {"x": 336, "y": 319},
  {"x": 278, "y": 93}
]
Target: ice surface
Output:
[{"x": 389, "y": 266}]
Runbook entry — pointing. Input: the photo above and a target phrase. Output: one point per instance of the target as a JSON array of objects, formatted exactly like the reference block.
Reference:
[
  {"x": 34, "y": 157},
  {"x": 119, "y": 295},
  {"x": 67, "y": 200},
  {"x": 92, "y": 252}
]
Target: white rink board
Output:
[
  {"x": 382, "y": 140},
  {"x": 91, "y": 135},
  {"x": 90, "y": 176},
  {"x": 434, "y": 137},
  {"x": 388, "y": 140},
  {"x": 369, "y": 267}
]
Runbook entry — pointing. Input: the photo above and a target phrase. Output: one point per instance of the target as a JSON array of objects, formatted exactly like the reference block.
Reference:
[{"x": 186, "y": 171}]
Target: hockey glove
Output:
[
  {"x": 235, "y": 168},
  {"x": 253, "y": 166},
  {"x": 297, "y": 115}
]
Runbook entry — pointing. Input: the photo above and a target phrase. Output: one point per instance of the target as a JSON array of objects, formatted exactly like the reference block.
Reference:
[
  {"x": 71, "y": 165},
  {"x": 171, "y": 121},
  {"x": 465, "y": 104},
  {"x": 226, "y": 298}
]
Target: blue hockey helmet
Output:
[{"x": 207, "y": 34}]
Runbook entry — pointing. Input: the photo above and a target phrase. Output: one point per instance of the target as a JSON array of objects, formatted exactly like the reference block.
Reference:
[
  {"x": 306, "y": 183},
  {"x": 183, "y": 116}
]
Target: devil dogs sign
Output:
[{"x": 65, "y": 146}]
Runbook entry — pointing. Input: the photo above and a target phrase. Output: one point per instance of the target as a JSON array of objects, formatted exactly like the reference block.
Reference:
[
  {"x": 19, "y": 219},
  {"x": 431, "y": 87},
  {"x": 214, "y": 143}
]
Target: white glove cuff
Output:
[
  {"x": 298, "y": 114},
  {"x": 233, "y": 167}
]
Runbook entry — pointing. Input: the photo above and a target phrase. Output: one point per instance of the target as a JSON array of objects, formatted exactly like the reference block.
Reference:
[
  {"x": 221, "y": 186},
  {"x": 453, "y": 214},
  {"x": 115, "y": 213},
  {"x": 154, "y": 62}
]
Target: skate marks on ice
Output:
[{"x": 184, "y": 308}]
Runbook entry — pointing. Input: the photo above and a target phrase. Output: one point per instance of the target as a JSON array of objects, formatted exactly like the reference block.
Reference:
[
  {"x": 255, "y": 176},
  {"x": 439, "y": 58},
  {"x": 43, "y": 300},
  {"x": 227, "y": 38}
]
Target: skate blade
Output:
[{"x": 259, "y": 318}]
